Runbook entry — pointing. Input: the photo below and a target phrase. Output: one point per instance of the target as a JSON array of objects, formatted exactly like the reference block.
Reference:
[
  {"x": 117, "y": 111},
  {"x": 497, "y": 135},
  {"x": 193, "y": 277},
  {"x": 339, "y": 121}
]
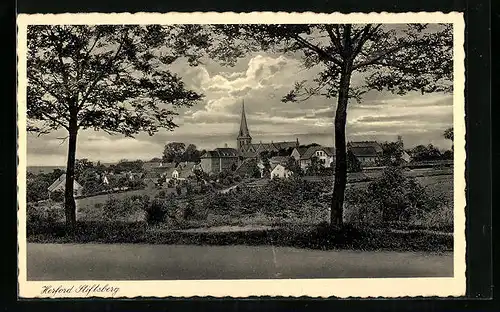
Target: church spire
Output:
[
  {"x": 244, "y": 139},
  {"x": 243, "y": 124}
]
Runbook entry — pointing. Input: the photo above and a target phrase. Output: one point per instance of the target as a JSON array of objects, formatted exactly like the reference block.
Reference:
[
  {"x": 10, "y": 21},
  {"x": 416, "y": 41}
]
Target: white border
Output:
[{"x": 364, "y": 287}]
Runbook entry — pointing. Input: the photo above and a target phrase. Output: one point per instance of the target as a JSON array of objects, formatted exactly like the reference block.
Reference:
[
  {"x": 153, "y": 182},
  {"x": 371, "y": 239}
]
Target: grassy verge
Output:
[{"x": 311, "y": 237}]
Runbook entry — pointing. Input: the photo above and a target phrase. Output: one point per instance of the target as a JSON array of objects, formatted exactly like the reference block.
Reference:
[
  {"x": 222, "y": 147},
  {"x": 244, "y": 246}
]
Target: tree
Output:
[
  {"x": 392, "y": 153},
  {"x": 448, "y": 134},
  {"x": 314, "y": 167},
  {"x": 191, "y": 154},
  {"x": 174, "y": 152},
  {"x": 292, "y": 165},
  {"x": 112, "y": 78},
  {"x": 264, "y": 157},
  {"x": 414, "y": 57},
  {"x": 425, "y": 153},
  {"x": 82, "y": 165}
]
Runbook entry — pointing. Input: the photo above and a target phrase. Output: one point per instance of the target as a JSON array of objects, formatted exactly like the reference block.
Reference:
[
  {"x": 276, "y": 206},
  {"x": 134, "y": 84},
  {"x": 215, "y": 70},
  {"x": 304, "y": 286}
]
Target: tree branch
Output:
[
  {"x": 55, "y": 120},
  {"x": 381, "y": 55},
  {"x": 321, "y": 53},
  {"x": 335, "y": 40},
  {"x": 99, "y": 77}
]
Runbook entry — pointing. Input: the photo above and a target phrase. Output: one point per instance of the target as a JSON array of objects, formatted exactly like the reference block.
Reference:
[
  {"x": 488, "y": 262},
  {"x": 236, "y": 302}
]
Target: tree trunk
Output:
[
  {"x": 69, "y": 199},
  {"x": 339, "y": 186}
]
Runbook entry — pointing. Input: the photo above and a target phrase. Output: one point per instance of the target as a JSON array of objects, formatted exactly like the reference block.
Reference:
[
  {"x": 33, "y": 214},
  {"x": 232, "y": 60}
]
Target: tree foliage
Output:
[
  {"x": 113, "y": 78},
  {"x": 425, "y": 153},
  {"x": 177, "y": 152},
  {"x": 397, "y": 58}
]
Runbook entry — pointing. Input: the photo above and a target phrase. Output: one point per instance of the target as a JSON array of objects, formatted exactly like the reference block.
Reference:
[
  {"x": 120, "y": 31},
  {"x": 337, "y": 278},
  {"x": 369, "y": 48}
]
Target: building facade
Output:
[
  {"x": 220, "y": 159},
  {"x": 367, "y": 152}
]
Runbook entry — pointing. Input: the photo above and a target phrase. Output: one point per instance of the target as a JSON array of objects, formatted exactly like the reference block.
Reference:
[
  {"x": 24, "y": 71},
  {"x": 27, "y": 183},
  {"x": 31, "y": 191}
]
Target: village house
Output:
[
  {"x": 181, "y": 172},
  {"x": 60, "y": 185},
  {"x": 367, "y": 152},
  {"x": 324, "y": 155},
  {"x": 280, "y": 172},
  {"x": 298, "y": 152}
]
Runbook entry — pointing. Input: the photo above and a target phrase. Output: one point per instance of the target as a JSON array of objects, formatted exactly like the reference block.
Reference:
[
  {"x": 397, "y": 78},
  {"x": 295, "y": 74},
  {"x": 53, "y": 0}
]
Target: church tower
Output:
[{"x": 244, "y": 139}]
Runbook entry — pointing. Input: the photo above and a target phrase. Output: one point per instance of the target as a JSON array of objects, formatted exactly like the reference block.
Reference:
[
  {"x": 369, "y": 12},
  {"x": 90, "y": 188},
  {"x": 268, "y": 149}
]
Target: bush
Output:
[
  {"x": 391, "y": 197},
  {"x": 116, "y": 209},
  {"x": 161, "y": 194},
  {"x": 42, "y": 218},
  {"x": 159, "y": 209},
  {"x": 57, "y": 196}
]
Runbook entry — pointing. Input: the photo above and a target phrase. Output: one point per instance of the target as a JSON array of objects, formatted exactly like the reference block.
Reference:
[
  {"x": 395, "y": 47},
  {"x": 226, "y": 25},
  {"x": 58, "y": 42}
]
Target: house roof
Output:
[
  {"x": 364, "y": 151},
  {"x": 248, "y": 154},
  {"x": 330, "y": 151},
  {"x": 301, "y": 150},
  {"x": 278, "y": 159},
  {"x": 183, "y": 172},
  {"x": 277, "y": 166},
  {"x": 363, "y": 144},
  {"x": 61, "y": 179},
  {"x": 286, "y": 144},
  {"x": 226, "y": 152},
  {"x": 221, "y": 152}
]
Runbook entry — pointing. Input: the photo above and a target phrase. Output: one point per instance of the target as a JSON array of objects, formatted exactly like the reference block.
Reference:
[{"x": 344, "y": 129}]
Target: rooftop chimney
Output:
[{"x": 225, "y": 145}]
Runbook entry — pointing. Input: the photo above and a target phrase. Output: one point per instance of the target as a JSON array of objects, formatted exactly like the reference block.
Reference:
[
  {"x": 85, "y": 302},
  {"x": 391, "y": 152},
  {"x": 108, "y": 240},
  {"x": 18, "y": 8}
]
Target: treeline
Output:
[{"x": 177, "y": 152}]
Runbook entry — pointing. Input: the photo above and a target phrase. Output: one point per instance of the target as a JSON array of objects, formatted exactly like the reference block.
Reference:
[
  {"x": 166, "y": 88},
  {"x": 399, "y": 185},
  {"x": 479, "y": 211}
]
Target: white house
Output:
[
  {"x": 325, "y": 156},
  {"x": 405, "y": 157},
  {"x": 60, "y": 185},
  {"x": 279, "y": 171}
]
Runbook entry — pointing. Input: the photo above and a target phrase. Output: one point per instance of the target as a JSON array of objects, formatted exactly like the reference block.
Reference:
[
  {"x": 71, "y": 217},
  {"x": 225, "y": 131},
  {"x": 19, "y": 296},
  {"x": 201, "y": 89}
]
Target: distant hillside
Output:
[{"x": 43, "y": 169}]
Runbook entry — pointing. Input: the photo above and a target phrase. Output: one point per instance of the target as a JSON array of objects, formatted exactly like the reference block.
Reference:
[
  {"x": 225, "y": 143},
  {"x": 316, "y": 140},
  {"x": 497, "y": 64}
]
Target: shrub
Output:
[
  {"x": 116, "y": 209},
  {"x": 158, "y": 209},
  {"x": 391, "y": 197},
  {"x": 57, "y": 196},
  {"x": 161, "y": 194},
  {"x": 42, "y": 218}
]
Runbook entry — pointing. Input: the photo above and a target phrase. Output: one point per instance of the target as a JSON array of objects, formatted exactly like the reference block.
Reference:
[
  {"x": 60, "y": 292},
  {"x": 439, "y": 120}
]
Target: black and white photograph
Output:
[{"x": 218, "y": 154}]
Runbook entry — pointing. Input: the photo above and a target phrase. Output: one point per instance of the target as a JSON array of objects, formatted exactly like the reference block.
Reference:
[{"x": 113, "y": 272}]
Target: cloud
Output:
[{"x": 261, "y": 80}]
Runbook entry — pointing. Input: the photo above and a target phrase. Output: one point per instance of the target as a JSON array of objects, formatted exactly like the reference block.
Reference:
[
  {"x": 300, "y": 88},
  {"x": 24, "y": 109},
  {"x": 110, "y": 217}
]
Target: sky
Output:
[{"x": 260, "y": 80}]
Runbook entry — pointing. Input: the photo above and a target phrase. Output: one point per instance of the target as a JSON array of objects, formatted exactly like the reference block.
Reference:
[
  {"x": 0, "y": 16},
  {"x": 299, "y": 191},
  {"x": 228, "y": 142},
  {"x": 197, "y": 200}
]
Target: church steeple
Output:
[{"x": 244, "y": 137}]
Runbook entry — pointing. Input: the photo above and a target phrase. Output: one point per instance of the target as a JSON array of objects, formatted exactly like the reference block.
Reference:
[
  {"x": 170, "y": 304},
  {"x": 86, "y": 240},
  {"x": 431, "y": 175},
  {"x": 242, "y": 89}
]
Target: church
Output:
[
  {"x": 222, "y": 159},
  {"x": 247, "y": 149}
]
